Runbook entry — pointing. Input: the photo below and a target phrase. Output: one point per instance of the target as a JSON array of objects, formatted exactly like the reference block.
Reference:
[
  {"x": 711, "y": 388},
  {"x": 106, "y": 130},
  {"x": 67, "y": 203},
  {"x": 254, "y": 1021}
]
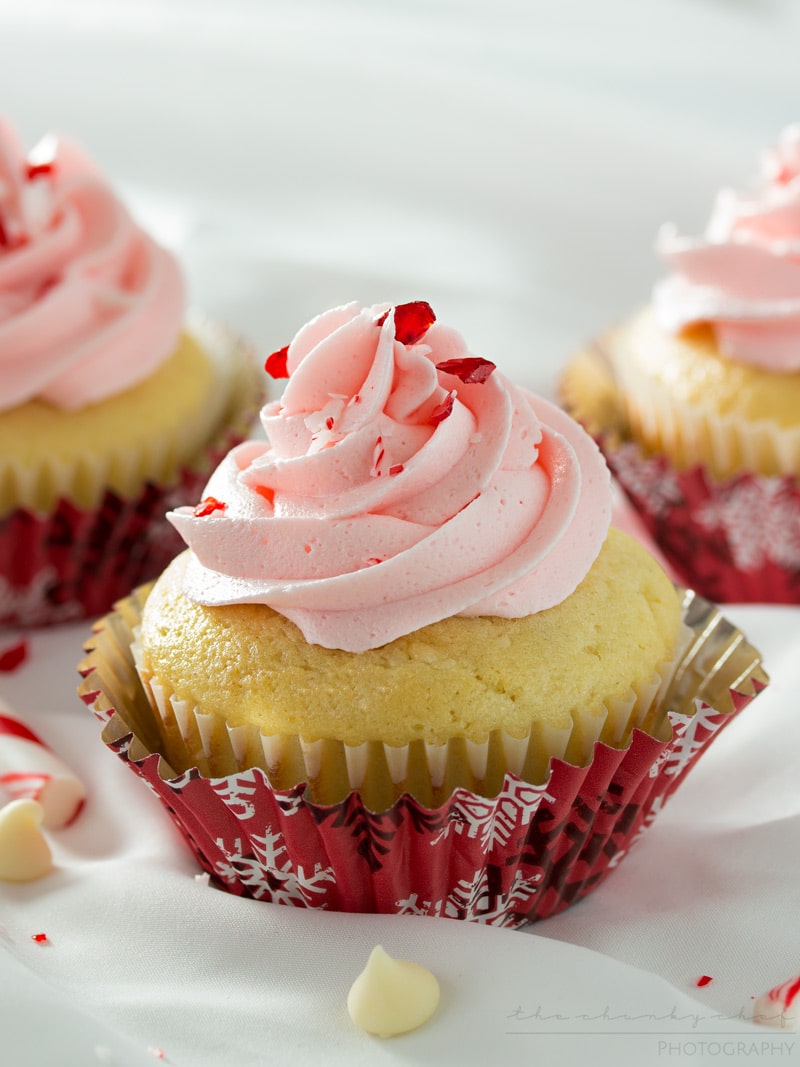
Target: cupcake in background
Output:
[
  {"x": 114, "y": 406},
  {"x": 405, "y": 666},
  {"x": 696, "y": 399}
]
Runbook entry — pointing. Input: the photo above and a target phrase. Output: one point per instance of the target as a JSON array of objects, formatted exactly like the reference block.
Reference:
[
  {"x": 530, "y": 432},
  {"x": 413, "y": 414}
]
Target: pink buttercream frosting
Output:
[
  {"x": 743, "y": 275},
  {"x": 402, "y": 482},
  {"x": 89, "y": 304}
]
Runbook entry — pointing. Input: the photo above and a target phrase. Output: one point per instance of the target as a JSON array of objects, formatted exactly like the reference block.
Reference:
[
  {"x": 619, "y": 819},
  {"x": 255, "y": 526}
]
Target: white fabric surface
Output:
[{"x": 511, "y": 164}]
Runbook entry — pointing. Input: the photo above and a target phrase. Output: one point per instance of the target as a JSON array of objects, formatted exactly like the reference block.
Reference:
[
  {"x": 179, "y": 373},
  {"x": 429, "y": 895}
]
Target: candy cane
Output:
[
  {"x": 780, "y": 1007},
  {"x": 28, "y": 768}
]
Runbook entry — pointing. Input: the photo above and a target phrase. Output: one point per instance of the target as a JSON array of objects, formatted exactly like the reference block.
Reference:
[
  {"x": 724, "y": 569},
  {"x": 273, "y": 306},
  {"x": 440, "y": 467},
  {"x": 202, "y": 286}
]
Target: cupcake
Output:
[
  {"x": 114, "y": 406},
  {"x": 404, "y": 664},
  {"x": 696, "y": 399}
]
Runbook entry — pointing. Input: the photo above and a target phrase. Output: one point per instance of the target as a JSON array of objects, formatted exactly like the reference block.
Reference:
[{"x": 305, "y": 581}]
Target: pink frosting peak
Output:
[
  {"x": 89, "y": 304},
  {"x": 403, "y": 481},
  {"x": 743, "y": 275}
]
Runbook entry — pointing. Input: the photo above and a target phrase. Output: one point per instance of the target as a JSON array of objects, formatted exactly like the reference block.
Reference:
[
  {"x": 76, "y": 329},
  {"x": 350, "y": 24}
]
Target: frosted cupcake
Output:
[
  {"x": 405, "y": 640},
  {"x": 697, "y": 398},
  {"x": 113, "y": 407}
]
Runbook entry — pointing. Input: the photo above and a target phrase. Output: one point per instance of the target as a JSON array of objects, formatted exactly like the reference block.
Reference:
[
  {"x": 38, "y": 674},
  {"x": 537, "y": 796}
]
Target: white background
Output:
[{"x": 511, "y": 163}]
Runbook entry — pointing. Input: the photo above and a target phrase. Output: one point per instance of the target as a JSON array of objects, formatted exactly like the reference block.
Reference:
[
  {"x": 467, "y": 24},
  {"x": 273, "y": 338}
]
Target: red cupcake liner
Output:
[
  {"x": 77, "y": 562},
  {"x": 507, "y": 860},
  {"x": 735, "y": 540}
]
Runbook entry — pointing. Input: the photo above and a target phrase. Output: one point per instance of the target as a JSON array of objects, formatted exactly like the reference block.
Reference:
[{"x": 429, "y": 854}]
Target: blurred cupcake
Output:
[
  {"x": 405, "y": 666},
  {"x": 696, "y": 399},
  {"x": 113, "y": 408}
]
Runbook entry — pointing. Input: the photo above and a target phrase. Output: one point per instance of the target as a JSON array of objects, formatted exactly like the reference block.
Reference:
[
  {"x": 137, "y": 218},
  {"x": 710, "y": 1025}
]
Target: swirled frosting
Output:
[
  {"x": 403, "y": 481},
  {"x": 743, "y": 275},
  {"x": 89, "y": 304}
]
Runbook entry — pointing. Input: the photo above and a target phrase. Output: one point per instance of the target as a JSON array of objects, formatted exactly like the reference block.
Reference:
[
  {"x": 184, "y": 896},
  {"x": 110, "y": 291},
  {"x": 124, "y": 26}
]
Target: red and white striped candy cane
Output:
[
  {"x": 780, "y": 1007},
  {"x": 28, "y": 768}
]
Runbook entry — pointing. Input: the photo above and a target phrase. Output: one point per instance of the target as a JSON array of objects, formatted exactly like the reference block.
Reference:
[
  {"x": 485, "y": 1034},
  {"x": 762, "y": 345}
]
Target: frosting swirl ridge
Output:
[
  {"x": 403, "y": 481},
  {"x": 743, "y": 275},
  {"x": 89, "y": 304}
]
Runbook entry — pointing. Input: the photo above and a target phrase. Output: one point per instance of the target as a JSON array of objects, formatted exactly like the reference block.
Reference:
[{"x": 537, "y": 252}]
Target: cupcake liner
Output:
[
  {"x": 189, "y": 736},
  {"x": 74, "y": 562},
  {"x": 506, "y": 860},
  {"x": 734, "y": 539}
]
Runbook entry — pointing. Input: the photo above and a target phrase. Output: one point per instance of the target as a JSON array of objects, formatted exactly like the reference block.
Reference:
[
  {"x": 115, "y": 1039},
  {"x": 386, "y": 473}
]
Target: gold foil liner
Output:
[{"x": 712, "y": 657}]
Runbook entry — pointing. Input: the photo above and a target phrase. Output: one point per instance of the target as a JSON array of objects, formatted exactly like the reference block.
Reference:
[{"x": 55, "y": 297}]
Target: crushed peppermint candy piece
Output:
[
  {"x": 40, "y": 939},
  {"x": 14, "y": 656},
  {"x": 443, "y": 410},
  {"x": 411, "y": 321},
  {"x": 704, "y": 979},
  {"x": 276, "y": 365},
  {"x": 207, "y": 506},
  {"x": 472, "y": 370}
]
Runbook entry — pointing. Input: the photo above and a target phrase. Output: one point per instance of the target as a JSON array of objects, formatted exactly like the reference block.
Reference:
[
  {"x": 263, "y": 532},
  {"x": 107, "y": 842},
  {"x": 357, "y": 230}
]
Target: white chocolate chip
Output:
[
  {"x": 392, "y": 996},
  {"x": 24, "y": 852}
]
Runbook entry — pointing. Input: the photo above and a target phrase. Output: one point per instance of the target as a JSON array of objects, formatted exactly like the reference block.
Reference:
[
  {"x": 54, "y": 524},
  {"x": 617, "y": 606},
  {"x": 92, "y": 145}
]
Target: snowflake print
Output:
[
  {"x": 760, "y": 521},
  {"x": 236, "y": 791},
  {"x": 654, "y": 486},
  {"x": 691, "y": 735},
  {"x": 478, "y": 899},
  {"x": 30, "y": 605},
  {"x": 494, "y": 820},
  {"x": 269, "y": 873}
]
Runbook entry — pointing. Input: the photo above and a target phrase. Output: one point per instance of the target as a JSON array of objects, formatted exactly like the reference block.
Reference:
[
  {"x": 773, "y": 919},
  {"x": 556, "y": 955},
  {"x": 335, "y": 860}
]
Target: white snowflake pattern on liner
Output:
[
  {"x": 774, "y": 536},
  {"x": 657, "y": 489},
  {"x": 698, "y": 730},
  {"x": 466, "y": 898},
  {"x": 494, "y": 819},
  {"x": 235, "y": 792},
  {"x": 25, "y": 605},
  {"x": 269, "y": 873}
]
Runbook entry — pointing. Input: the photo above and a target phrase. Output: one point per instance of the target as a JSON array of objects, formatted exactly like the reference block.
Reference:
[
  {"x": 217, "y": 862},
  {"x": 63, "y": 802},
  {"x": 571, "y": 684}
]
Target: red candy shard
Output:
[
  {"x": 472, "y": 370},
  {"x": 441, "y": 411},
  {"x": 704, "y": 979},
  {"x": 276, "y": 365},
  {"x": 208, "y": 506},
  {"x": 40, "y": 939},
  {"x": 35, "y": 170},
  {"x": 13, "y": 656},
  {"x": 396, "y": 469},
  {"x": 411, "y": 321}
]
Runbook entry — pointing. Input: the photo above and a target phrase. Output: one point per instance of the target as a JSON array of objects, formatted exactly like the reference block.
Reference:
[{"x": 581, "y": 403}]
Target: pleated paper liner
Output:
[
  {"x": 507, "y": 859},
  {"x": 732, "y": 539},
  {"x": 75, "y": 561}
]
